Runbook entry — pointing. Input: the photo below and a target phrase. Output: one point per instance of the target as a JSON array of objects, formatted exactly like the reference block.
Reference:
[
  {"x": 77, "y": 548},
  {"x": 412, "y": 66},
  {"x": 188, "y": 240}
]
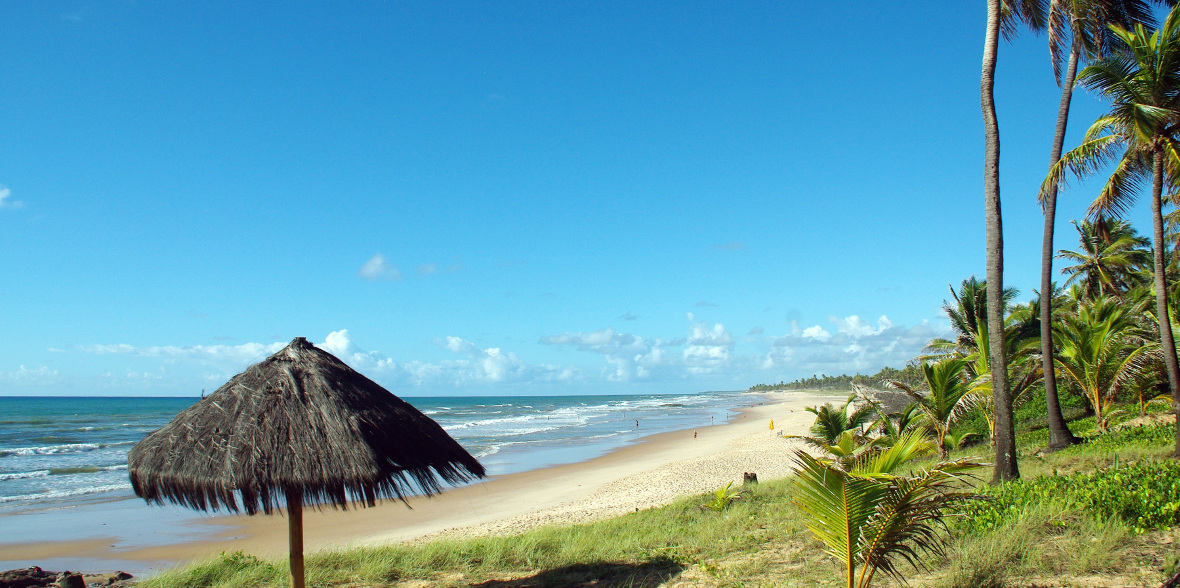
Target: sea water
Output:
[{"x": 59, "y": 452}]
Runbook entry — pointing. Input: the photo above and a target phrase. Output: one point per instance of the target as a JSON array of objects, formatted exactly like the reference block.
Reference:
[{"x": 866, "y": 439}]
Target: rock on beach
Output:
[{"x": 35, "y": 577}]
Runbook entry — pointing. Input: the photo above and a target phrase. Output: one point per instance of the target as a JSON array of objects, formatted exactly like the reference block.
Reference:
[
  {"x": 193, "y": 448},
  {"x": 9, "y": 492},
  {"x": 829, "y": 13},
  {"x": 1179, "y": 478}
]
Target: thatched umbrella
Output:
[{"x": 302, "y": 425}]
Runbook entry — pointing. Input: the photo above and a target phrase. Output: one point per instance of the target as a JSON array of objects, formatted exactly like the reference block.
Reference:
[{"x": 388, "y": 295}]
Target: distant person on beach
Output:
[
  {"x": 636, "y": 423},
  {"x": 694, "y": 434}
]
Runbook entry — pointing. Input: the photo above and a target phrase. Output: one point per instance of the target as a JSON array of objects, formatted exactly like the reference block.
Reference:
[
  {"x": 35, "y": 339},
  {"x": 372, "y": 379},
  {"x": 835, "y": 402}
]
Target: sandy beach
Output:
[{"x": 655, "y": 471}]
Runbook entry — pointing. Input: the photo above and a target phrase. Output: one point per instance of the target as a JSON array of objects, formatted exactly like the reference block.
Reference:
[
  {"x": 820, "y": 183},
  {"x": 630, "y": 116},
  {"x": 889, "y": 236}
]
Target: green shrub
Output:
[{"x": 1146, "y": 495}]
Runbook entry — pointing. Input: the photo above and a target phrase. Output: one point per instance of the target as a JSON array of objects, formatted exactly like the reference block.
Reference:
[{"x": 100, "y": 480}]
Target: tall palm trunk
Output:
[
  {"x": 1005, "y": 468},
  {"x": 1167, "y": 343},
  {"x": 1059, "y": 434}
]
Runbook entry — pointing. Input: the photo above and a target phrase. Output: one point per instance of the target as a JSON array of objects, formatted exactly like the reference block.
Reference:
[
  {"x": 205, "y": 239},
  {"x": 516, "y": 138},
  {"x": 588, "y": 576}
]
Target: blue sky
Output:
[{"x": 502, "y": 197}]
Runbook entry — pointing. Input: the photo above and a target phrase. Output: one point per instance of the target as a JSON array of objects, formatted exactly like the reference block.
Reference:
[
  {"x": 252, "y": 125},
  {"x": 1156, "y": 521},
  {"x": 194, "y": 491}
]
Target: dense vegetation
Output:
[{"x": 842, "y": 382}]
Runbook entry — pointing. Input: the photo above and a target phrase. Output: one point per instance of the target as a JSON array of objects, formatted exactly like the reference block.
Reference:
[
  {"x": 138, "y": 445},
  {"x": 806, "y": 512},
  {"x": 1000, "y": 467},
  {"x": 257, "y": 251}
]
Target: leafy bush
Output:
[{"x": 1146, "y": 495}]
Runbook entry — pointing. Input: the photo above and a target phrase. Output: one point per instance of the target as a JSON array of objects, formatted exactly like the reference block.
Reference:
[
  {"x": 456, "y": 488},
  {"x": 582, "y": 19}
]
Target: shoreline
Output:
[{"x": 656, "y": 470}]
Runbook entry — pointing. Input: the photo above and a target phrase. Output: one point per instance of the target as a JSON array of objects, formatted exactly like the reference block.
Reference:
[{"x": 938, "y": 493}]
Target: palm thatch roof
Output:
[{"x": 299, "y": 422}]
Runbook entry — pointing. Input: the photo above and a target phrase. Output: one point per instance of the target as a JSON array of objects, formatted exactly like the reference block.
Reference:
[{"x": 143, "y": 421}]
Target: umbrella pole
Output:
[{"x": 295, "y": 535}]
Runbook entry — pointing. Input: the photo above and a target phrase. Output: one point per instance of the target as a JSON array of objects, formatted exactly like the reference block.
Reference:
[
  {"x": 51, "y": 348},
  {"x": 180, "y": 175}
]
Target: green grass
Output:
[
  {"x": 645, "y": 543},
  {"x": 1074, "y": 515}
]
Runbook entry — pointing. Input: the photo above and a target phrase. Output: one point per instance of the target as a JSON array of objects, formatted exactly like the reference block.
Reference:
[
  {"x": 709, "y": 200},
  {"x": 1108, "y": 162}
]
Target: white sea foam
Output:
[
  {"x": 23, "y": 475},
  {"x": 51, "y": 449},
  {"x": 64, "y": 448},
  {"x": 527, "y": 424},
  {"x": 496, "y": 449},
  {"x": 58, "y": 494}
]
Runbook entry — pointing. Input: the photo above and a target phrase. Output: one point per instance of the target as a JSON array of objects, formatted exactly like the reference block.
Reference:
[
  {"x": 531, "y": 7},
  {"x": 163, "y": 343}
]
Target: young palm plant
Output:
[
  {"x": 1026, "y": 372},
  {"x": 831, "y": 423},
  {"x": 871, "y": 519},
  {"x": 1098, "y": 353},
  {"x": 945, "y": 399},
  {"x": 973, "y": 344},
  {"x": 891, "y": 427}
]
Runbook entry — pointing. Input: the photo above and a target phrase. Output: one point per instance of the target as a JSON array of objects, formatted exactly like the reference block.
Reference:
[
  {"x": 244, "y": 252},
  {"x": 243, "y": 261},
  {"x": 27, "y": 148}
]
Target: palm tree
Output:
[
  {"x": 968, "y": 320},
  {"x": 831, "y": 422},
  {"x": 871, "y": 519},
  {"x": 1139, "y": 133},
  {"x": 945, "y": 399},
  {"x": 1098, "y": 354},
  {"x": 1025, "y": 370},
  {"x": 1109, "y": 260},
  {"x": 968, "y": 316},
  {"x": 1006, "y": 16},
  {"x": 893, "y": 426},
  {"x": 1082, "y": 25}
]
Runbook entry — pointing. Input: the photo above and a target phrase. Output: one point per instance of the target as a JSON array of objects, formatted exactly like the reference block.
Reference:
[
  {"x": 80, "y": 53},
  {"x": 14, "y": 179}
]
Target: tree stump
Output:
[{"x": 749, "y": 478}]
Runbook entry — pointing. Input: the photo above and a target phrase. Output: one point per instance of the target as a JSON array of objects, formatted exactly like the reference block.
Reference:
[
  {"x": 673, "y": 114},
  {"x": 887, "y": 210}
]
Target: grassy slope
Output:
[{"x": 760, "y": 541}]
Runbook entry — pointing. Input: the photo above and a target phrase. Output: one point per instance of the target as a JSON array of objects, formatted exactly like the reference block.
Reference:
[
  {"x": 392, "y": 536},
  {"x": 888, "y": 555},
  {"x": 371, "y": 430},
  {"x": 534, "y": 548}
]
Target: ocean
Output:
[{"x": 58, "y": 452}]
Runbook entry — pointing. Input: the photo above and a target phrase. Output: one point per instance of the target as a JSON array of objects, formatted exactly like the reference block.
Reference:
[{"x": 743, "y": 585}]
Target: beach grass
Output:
[
  {"x": 635, "y": 549},
  {"x": 761, "y": 540}
]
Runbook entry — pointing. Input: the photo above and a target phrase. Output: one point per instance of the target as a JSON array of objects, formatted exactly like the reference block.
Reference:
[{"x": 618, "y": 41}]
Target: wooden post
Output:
[{"x": 295, "y": 535}]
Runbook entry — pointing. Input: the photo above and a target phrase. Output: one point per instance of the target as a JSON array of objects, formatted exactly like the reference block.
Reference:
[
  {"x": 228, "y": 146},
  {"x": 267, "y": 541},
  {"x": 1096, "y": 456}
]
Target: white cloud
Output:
[
  {"x": 243, "y": 354},
  {"x": 817, "y": 332},
  {"x": 6, "y": 200},
  {"x": 23, "y": 376},
  {"x": 484, "y": 365},
  {"x": 459, "y": 345},
  {"x": 338, "y": 343},
  {"x": 708, "y": 349},
  {"x": 856, "y": 327},
  {"x": 378, "y": 269},
  {"x": 856, "y": 346},
  {"x": 606, "y": 341},
  {"x": 630, "y": 357},
  {"x": 706, "y": 355},
  {"x": 477, "y": 366}
]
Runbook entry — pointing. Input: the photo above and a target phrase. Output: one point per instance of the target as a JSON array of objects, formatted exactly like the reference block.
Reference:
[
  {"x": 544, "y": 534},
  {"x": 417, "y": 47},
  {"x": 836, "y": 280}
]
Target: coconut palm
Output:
[
  {"x": 1140, "y": 134},
  {"x": 871, "y": 519},
  {"x": 967, "y": 315},
  {"x": 893, "y": 426},
  {"x": 943, "y": 402},
  {"x": 1023, "y": 367},
  {"x": 1006, "y": 17},
  {"x": 1109, "y": 260},
  {"x": 1098, "y": 353},
  {"x": 1082, "y": 26},
  {"x": 831, "y": 422}
]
